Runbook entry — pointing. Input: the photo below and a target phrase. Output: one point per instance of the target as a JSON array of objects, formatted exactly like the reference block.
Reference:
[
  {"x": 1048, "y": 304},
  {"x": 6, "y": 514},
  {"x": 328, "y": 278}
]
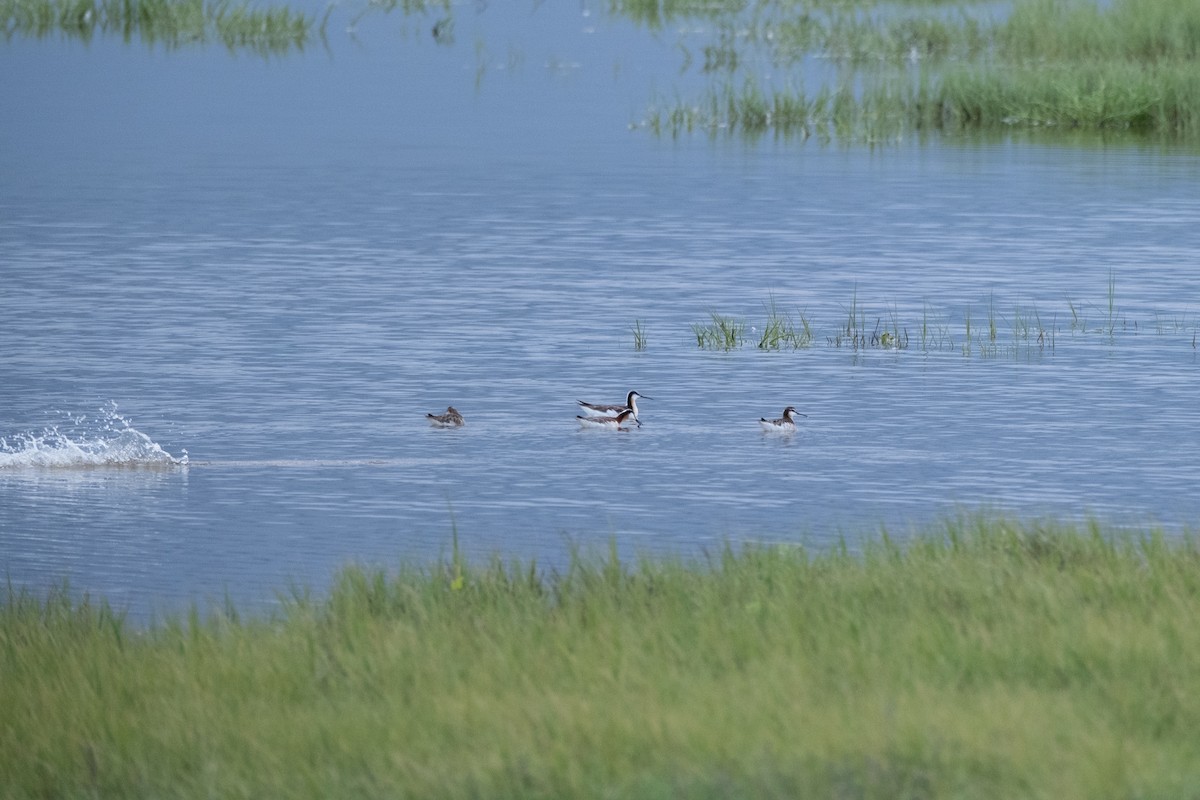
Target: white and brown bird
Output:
[
  {"x": 785, "y": 424},
  {"x": 451, "y": 419}
]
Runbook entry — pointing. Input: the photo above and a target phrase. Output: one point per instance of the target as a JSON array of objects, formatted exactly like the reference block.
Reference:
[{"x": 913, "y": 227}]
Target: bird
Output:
[
  {"x": 610, "y": 423},
  {"x": 451, "y": 419},
  {"x": 597, "y": 410},
  {"x": 786, "y": 423}
]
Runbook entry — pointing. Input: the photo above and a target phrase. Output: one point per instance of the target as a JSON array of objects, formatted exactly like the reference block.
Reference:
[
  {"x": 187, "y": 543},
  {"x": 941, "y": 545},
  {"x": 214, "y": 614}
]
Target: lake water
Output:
[{"x": 272, "y": 269}]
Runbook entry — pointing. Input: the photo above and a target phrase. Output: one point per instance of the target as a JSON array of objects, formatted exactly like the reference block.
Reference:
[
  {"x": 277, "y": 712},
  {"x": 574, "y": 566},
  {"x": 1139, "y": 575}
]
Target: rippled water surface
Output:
[{"x": 232, "y": 288}]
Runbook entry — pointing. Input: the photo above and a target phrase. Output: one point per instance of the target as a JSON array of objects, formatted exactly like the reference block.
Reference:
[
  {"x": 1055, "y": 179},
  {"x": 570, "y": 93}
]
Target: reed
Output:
[
  {"x": 639, "y": 335},
  {"x": 1078, "y": 323},
  {"x": 1112, "y": 302},
  {"x": 935, "y": 330},
  {"x": 991, "y": 318},
  {"x": 981, "y": 658}
]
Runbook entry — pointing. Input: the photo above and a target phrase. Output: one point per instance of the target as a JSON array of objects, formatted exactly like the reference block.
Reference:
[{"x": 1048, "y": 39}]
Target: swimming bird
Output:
[
  {"x": 611, "y": 423},
  {"x": 786, "y": 423},
  {"x": 596, "y": 410},
  {"x": 451, "y": 419}
]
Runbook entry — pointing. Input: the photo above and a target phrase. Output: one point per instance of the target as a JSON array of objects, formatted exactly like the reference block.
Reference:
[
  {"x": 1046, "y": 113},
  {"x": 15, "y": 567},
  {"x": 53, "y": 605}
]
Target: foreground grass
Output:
[{"x": 985, "y": 659}]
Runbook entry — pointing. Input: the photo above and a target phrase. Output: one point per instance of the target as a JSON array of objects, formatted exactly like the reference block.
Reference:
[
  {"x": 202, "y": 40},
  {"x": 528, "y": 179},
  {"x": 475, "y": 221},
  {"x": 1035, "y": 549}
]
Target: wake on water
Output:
[{"x": 109, "y": 441}]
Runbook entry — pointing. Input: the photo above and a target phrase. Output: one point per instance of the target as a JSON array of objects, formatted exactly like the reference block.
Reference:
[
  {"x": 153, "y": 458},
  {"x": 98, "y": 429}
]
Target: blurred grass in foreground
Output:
[{"x": 985, "y": 658}]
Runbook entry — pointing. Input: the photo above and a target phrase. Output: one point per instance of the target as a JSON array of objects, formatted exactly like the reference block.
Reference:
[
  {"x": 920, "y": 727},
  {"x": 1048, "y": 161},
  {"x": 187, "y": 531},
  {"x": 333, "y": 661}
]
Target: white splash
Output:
[{"x": 110, "y": 441}]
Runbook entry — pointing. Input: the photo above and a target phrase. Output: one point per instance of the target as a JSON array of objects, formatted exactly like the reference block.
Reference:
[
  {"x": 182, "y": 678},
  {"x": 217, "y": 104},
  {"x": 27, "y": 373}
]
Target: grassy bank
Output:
[{"x": 986, "y": 659}]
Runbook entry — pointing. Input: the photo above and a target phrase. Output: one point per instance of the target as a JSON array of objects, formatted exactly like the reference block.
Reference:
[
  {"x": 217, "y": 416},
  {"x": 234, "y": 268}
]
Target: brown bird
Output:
[{"x": 451, "y": 419}]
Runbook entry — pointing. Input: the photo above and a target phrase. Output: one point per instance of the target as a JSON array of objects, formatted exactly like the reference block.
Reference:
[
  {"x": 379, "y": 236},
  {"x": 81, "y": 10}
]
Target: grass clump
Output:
[
  {"x": 722, "y": 333},
  {"x": 984, "y": 658},
  {"x": 780, "y": 332}
]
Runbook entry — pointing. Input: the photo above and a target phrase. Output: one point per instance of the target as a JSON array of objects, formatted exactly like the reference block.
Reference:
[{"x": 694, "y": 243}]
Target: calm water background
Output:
[{"x": 278, "y": 266}]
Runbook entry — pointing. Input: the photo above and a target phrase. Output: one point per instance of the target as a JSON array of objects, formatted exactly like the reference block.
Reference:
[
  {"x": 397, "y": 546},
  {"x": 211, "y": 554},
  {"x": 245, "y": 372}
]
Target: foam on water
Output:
[{"x": 109, "y": 441}]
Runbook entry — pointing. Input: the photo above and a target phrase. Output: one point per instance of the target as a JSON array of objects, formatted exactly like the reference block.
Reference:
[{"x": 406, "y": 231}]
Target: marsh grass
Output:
[
  {"x": 935, "y": 330},
  {"x": 982, "y": 658},
  {"x": 1095, "y": 95},
  {"x": 171, "y": 23},
  {"x": 721, "y": 333},
  {"x": 854, "y": 332},
  {"x": 1128, "y": 65},
  {"x": 780, "y": 332},
  {"x": 1017, "y": 332}
]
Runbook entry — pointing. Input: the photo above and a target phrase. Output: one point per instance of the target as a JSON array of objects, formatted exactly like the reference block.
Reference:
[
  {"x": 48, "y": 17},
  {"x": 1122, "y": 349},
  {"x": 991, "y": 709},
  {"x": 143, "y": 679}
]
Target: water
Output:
[{"x": 232, "y": 288}]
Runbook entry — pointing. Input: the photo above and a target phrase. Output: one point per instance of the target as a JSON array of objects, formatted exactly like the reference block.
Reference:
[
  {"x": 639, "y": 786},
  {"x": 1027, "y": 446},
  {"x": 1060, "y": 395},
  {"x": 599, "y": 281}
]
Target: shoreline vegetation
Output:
[
  {"x": 981, "y": 658},
  {"x": 865, "y": 71}
]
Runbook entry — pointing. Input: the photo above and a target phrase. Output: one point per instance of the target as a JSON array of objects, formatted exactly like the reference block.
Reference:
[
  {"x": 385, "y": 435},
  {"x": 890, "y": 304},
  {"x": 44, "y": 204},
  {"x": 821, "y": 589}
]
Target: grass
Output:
[
  {"x": 1017, "y": 331},
  {"x": 983, "y": 659},
  {"x": 639, "y": 335},
  {"x": 722, "y": 333},
  {"x": 172, "y": 23},
  {"x": 854, "y": 333},
  {"x": 780, "y": 330},
  {"x": 1089, "y": 95},
  {"x": 1128, "y": 65}
]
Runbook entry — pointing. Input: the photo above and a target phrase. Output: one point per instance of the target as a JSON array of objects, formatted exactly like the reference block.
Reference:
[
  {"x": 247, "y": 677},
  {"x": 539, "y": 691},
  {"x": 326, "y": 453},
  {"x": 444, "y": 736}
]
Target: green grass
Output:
[
  {"x": 639, "y": 335},
  {"x": 780, "y": 332},
  {"x": 1057, "y": 65},
  {"x": 1017, "y": 331},
  {"x": 240, "y": 26},
  {"x": 722, "y": 333},
  {"x": 984, "y": 659},
  {"x": 1089, "y": 95}
]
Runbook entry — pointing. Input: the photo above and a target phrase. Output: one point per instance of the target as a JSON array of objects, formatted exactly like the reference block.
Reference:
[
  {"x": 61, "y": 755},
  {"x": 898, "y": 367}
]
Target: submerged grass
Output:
[{"x": 984, "y": 658}]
